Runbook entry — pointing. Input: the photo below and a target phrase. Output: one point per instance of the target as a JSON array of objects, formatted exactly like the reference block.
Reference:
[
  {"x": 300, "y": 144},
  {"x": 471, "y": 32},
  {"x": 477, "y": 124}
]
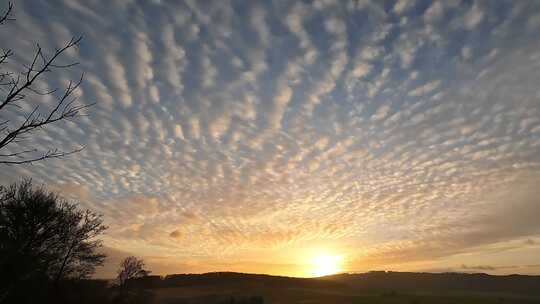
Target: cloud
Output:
[
  {"x": 425, "y": 89},
  {"x": 473, "y": 17},
  {"x": 361, "y": 70},
  {"x": 176, "y": 234},
  {"x": 511, "y": 217},
  {"x": 117, "y": 76},
  {"x": 478, "y": 267},
  {"x": 403, "y": 5},
  {"x": 530, "y": 242},
  {"x": 412, "y": 134},
  {"x": 487, "y": 267},
  {"x": 281, "y": 101},
  {"x": 434, "y": 11}
]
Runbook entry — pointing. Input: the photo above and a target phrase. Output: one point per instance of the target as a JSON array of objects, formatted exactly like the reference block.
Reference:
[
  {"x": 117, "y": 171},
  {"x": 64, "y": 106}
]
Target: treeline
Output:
[
  {"x": 229, "y": 279},
  {"x": 410, "y": 282}
]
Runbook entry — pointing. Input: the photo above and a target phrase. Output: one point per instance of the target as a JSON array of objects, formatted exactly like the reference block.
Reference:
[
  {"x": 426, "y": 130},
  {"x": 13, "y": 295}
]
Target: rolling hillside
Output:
[{"x": 372, "y": 287}]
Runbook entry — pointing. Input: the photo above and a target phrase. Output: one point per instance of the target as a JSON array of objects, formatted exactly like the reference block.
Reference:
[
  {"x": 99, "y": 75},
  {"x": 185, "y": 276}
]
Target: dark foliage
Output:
[
  {"x": 131, "y": 268},
  {"x": 244, "y": 300},
  {"x": 44, "y": 239},
  {"x": 219, "y": 299},
  {"x": 133, "y": 296},
  {"x": 84, "y": 292}
]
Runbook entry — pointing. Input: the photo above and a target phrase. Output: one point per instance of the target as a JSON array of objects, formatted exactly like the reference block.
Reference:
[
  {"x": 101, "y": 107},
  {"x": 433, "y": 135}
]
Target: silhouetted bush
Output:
[{"x": 131, "y": 268}]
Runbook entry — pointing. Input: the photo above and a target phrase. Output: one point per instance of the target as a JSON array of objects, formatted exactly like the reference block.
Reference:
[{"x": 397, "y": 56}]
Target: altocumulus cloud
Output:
[{"x": 402, "y": 127}]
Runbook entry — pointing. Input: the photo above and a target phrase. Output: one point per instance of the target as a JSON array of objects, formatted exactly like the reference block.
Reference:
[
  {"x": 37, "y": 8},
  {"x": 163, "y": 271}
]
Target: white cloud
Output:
[
  {"x": 434, "y": 12},
  {"x": 473, "y": 17},
  {"x": 119, "y": 83},
  {"x": 381, "y": 113},
  {"x": 466, "y": 52},
  {"x": 178, "y": 132},
  {"x": 361, "y": 70},
  {"x": 402, "y": 6},
  {"x": 426, "y": 88},
  {"x": 281, "y": 100},
  {"x": 195, "y": 128}
]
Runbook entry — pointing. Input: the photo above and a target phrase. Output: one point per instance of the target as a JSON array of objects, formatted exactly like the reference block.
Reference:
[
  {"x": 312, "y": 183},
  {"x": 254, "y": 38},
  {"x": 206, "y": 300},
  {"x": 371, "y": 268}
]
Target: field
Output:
[
  {"x": 330, "y": 290},
  {"x": 295, "y": 295}
]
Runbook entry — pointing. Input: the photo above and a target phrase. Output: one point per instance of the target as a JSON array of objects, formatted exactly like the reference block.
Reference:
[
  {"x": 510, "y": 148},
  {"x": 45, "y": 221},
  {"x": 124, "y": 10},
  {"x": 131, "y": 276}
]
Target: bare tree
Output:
[
  {"x": 21, "y": 88},
  {"x": 43, "y": 237},
  {"x": 131, "y": 268}
]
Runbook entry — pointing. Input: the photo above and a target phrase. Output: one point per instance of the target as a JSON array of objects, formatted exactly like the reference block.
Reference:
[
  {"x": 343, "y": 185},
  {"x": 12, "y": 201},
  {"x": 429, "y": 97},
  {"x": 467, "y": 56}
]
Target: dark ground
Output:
[{"x": 374, "y": 287}]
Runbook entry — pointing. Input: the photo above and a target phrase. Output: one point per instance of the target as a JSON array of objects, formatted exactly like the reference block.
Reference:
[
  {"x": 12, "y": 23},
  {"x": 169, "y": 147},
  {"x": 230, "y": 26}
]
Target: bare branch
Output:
[
  {"x": 30, "y": 78},
  {"x": 5, "y": 55},
  {"x": 47, "y": 155},
  {"x": 6, "y": 16},
  {"x": 17, "y": 89},
  {"x": 18, "y": 153}
]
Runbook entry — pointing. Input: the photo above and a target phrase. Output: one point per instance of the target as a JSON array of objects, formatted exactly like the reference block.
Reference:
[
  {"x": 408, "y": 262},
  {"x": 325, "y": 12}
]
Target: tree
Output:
[
  {"x": 131, "y": 268},
  {"x": 44, "y": 237},
  {"x": 21, "y": 90}
]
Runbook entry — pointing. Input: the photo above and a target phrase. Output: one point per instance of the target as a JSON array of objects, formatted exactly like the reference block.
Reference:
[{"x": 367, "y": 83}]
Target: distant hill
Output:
[
  {"x": 232, "y": 279},
  {"x": 410, "y": 282},
  {"x": 370, "y": 283}
]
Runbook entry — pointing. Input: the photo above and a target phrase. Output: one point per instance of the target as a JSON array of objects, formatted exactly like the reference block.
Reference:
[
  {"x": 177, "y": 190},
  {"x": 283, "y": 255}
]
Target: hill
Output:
[
  {"x": 440, "y": 282},
  {"x": 371, "y": 287}
]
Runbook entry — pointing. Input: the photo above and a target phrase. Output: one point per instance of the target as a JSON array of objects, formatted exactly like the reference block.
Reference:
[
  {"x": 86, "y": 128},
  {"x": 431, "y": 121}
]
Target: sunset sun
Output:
[{"x": 323, "y": 265}]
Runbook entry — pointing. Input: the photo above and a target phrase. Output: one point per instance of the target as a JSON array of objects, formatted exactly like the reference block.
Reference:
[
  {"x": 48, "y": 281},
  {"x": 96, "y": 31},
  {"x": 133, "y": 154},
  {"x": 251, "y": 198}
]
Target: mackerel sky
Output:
[{"x": 250, "y": 135}]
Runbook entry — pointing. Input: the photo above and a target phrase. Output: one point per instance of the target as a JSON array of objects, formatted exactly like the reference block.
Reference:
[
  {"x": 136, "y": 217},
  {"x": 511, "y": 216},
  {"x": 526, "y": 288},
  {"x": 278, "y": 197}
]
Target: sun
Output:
[{"x": 323, "y": 265}]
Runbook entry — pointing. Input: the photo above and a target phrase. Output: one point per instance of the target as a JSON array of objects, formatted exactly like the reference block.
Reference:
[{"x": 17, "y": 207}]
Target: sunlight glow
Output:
[{"x": 323, "y": 265}]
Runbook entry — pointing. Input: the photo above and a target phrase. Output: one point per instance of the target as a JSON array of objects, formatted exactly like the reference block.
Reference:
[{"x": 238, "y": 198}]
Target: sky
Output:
[{"x": 268, "y": 136}]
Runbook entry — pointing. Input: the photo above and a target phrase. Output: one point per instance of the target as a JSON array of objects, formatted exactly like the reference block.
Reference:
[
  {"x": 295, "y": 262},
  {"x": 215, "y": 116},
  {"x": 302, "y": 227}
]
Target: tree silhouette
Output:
[
  {"x": 131, "y": 268},
  {"x": 20, "y": 90},
  {"x": 44, "y": 237}
]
